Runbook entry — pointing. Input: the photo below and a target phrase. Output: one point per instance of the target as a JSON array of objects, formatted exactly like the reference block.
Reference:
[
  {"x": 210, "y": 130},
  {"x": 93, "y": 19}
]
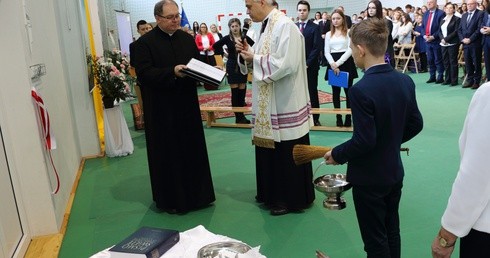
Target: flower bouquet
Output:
[{"x": 111, "y": 73}]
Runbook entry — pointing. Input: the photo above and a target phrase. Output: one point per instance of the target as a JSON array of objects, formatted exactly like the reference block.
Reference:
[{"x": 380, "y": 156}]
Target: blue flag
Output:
[{"x": 183, "y": 20}]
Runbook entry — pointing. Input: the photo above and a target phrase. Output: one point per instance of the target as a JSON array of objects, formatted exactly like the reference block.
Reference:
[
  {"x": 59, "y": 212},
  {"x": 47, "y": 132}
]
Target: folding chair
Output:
[
  {"x": 402, "y": 59},
  {"x": 461, "y": 63}
]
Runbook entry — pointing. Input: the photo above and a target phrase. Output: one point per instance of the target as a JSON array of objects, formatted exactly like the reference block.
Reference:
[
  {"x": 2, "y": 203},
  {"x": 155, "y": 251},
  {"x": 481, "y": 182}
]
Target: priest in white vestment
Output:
[{"x": 280, "y": 109}]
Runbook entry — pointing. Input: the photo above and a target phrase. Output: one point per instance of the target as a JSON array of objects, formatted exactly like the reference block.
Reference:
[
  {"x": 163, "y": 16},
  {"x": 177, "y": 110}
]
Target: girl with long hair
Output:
[
  {"x": 237, "y": 80},
  {"x": 374, "y": 9},
  {"x": 339, "y": 56}
]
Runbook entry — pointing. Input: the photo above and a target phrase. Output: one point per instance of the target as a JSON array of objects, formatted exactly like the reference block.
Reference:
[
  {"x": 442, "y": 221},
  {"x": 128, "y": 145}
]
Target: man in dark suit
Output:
[
  {"x": 381, "y": 125},
  {"x": 324, "y": 25},
  {"x": 348, "y": 20},
  {"x": 470, "y": 36},
  {"x": 142, "y": 27},
  {"x": 485, "y": 31},
  {"x": 313, "y": 45},
  {"x": 431, "y": 23}
]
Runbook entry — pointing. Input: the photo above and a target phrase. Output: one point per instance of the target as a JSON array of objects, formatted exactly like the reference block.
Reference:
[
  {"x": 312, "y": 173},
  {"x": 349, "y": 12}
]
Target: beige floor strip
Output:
[{"x": 49, "y": 246}]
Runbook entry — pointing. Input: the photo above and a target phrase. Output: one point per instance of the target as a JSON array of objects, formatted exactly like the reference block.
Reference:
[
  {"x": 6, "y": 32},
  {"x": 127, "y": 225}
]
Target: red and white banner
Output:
[{"x": 45, "y": 125}]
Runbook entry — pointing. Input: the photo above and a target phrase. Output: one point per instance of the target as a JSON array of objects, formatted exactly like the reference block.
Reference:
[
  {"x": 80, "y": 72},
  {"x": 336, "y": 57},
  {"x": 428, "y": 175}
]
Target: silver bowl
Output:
[
  {"x": 213, "y": 250},
  {"x": 333, "y": 186}
]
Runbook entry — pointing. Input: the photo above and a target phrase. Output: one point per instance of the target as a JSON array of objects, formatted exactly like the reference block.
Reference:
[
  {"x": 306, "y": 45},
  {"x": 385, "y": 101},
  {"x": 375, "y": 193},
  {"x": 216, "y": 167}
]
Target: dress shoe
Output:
[
  {"x": 423, "y": 71},
  {"x": 475, "y": 86},
  {"x": 317, "y": 123},
  {"x": 467, "y": 85},
  {"x": 242, "y": 121},
  {"x": 439, "y": 81},
  {"x": 446, "y": 83},
  {"x": 454, "y": 83},
  {"x": 279, "y": 210},
  {"x": 431, "y": 80},
  {"x": 171, "y": 211}
]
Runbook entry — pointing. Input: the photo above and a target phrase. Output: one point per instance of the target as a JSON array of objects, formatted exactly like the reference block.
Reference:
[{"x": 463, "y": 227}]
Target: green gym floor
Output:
[{"x": 113, "y": 198}]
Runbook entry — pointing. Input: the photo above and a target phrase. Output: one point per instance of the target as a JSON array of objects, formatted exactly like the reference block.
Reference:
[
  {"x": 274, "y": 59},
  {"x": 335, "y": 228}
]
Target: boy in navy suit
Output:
[
  {"x": 313, "y": 45},
  {"x": 385, "y": 115}
]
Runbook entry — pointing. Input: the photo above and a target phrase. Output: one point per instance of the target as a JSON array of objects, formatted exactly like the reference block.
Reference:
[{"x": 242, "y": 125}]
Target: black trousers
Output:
[
  {"x": 336, "y": 94},
  {"x": 377, "y": 215},
  {"x": 312, "y": 74},
  {"x": 423, "y": 61},
  {"x": 450, "y": 60},
  {"x": 486, "y": 56},
  {"x": 475, "y": 244},
  {"x": 472, "y": 60}
]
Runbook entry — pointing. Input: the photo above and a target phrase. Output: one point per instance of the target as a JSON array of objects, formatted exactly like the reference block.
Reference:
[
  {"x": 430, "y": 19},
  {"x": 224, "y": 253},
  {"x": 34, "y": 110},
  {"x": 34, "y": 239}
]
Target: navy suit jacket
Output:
[
  {"x": 452, "y": 31},
  {"x": 313, "y": 43},
  {"x": 484, "y": 22},
  {"x": 324, "y": 26},
  {"x": 435, "y": 25},
  {"x": 471, "y": 30},
  {"x": 385, "y": 114}
]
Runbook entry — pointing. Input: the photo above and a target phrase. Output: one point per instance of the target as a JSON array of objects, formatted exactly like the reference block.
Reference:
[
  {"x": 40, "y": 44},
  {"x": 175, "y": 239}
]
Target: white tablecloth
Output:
[
  {"x": 189, "y": 244},
  {"x": 118, "y": 141}
]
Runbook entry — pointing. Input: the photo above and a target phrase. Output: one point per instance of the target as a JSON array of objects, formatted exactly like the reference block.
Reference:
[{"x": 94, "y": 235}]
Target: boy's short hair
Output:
[
  {"x": 140, "y": 22},
  {"x": 372, "y": 34}
]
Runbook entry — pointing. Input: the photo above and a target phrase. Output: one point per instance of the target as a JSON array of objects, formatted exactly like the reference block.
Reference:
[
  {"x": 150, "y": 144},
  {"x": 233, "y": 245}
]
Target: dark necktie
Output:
[
  {"x": 264, "y": 24},
  {"x": 469, "y": 19},
  {"x": 301, "y": 27}
]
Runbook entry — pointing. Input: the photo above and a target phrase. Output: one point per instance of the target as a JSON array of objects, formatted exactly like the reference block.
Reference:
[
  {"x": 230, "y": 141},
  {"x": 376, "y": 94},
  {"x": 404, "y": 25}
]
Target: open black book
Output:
[{"x": 203, "y": 72}]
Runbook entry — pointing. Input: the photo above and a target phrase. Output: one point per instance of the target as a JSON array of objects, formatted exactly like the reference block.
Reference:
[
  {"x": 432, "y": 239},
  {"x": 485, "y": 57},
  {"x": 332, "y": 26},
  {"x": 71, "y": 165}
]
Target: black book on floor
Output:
[{"x": 146, "y": 242}]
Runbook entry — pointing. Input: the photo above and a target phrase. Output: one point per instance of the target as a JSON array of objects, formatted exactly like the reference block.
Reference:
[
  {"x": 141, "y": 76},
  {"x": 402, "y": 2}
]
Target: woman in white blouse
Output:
[
  {"x": 339, "y": 56},
  {"x": 404, "y": 33},
  {"x": 448, "y": 33},
  {"x": 396, "y": 23}
]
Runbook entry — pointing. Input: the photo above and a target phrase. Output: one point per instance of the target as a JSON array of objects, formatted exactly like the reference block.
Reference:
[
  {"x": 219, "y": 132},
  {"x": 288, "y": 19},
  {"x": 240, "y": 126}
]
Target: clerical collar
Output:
[{"x": 168, "y": 33}]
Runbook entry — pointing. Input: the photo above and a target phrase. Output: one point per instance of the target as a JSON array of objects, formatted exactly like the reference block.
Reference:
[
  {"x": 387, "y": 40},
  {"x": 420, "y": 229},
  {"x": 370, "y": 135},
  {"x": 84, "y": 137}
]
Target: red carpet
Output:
[{"x": 223, "y": 99}]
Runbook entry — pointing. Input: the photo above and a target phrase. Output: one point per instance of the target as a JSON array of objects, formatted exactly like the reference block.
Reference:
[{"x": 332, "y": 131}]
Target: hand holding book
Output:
[
  {"x": 203, "y": 72},
  {"x": 178, "y": 70}
]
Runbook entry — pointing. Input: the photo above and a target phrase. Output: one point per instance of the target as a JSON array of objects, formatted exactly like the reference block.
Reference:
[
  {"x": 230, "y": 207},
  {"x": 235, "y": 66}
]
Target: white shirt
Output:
[
  {"x": 396, "y": 26},
  {"x": 469, "y": 203},
  {"x": 444, "y": 25},
  {"x": 337, "y": 45},
  {"x": 404, "y": 33}
]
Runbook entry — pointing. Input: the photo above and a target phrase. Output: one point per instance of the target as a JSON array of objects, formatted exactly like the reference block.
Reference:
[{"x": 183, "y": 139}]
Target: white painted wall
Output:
[{"x": 56, "y": 43}]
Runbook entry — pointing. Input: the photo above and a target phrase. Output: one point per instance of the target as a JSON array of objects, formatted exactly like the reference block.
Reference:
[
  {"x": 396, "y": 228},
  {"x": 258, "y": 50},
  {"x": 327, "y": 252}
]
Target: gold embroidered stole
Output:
[{"x": 263, "y": 134}]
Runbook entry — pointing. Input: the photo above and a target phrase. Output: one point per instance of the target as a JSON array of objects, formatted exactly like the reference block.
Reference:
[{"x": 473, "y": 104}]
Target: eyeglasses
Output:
[{"x": 170, "y": 17}]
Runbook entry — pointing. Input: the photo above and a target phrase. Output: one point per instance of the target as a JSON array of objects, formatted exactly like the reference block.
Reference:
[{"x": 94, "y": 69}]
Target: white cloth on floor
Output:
[{"x": 190, "y": 242}]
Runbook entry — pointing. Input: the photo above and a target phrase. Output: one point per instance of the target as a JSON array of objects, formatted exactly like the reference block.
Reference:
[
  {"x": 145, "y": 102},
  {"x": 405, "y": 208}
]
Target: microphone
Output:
[{"x": 246, "y": 26}]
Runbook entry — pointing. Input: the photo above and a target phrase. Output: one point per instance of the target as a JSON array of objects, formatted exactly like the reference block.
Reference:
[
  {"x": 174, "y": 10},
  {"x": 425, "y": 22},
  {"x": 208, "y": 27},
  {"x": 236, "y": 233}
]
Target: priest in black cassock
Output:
[{"x": 177, "y": 155}]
